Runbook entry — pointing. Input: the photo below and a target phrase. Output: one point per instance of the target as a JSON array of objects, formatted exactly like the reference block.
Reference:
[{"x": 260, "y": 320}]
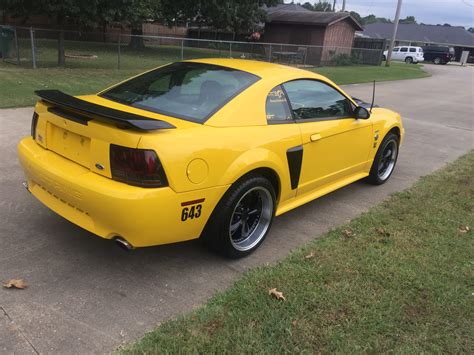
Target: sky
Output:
[{"x": 454, "y": 12}]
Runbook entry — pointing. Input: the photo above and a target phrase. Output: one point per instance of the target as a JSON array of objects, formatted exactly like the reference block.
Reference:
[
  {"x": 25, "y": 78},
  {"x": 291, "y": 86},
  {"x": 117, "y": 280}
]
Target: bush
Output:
[{"x": 342, "y": 59}]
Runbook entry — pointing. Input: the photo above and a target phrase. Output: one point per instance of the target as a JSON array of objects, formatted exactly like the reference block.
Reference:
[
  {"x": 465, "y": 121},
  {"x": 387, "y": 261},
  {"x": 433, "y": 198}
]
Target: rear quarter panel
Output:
[{"x": 228, "y": 153}]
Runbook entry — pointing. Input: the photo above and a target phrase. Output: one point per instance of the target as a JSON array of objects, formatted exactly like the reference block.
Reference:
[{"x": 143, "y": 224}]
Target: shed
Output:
[{"x": 332, "y": 32}]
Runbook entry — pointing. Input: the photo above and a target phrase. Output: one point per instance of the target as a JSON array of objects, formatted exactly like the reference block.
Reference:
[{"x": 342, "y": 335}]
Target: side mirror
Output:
[{"x": 361, "y": 113}]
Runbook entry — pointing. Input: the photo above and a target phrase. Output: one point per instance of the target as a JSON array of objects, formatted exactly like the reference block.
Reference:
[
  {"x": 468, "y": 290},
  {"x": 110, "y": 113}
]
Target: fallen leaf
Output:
[
  {"x": 295, "y": 322},
  {"x": 383, "y": 232},
  {"x": 310, "y": 255},
  {"x": 464, "y": 229},
  {"x": 277, "y": 294},
  {"x": 15, "y": 283},
  {"x": 212, "y": 326},
  {"x": 348, "y": 233}
]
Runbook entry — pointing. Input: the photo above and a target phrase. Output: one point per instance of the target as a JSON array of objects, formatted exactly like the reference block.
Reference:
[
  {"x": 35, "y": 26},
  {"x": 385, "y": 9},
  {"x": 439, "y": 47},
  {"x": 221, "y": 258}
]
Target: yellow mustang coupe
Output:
[{"x": 210, "y": 148}]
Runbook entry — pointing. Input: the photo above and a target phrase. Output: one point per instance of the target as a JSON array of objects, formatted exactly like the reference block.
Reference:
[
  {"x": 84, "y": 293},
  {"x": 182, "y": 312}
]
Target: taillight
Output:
[
  {"x": 138, "y": 167},
  {"x": 34, "y": 122}
]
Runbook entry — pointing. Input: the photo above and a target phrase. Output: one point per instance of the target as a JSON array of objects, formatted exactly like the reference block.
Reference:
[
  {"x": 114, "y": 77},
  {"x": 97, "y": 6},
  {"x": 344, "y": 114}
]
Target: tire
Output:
[
  {"x": 437, "y": 60},
  {"x": 408, "y": 60},
  {"x": 385, "y": 160},
  {"x": 384, "y": 58},
  {"x": 242, "y": 219}
]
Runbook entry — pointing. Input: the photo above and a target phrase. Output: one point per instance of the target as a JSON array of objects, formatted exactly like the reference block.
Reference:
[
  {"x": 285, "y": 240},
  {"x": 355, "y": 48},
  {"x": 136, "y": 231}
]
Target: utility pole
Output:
[
  {"x": 343, "y": 5},
  {"x": 395, "y": 27},
  {"x": 334, "y": 6}
]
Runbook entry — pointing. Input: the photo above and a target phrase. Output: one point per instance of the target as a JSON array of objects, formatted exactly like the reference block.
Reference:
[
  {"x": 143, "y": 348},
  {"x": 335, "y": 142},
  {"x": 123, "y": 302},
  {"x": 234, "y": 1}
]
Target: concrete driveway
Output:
[{"x": 86, "y": 295}]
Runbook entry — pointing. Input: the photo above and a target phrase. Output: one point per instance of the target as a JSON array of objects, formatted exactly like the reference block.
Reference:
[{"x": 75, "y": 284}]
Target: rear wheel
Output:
[
  {"x": 242, "y": 219},
  {"x": 385, "y": 160},
  {"x": 437, "y": 60},
  {"x": 408, "y": 60}
]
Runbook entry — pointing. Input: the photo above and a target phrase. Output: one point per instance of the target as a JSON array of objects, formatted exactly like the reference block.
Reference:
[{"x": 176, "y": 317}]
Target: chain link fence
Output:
[{"x": 38, "y": 48}]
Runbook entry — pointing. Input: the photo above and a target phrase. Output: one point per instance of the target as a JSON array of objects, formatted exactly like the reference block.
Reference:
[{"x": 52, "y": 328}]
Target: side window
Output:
[
  {"x": 395, "y": 49},
  {"x": 404, "y": 49},
  {"x": 312, "y": 99},
  {"x": 277, "y": 108},
  {"x": 412, "y": 49}
]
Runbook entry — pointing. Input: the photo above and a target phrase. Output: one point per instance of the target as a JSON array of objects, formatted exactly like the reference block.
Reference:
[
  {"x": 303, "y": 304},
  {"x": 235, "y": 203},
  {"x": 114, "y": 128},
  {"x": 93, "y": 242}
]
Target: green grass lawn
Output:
[
  {"x": 365, "y": 74},
  {"x": 17, "y": 84},
  {"x": 397, "y": 279},
  {"x": 82, "y": 76}
]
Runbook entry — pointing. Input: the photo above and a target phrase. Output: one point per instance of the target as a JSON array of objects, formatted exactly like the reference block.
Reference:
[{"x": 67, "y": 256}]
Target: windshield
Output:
[{"x": 191, "y": 91}]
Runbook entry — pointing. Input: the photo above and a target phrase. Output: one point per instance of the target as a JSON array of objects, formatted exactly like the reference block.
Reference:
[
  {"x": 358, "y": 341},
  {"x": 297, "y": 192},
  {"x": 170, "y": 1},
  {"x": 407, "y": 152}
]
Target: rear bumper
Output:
[{"x": 107, "y": 208}]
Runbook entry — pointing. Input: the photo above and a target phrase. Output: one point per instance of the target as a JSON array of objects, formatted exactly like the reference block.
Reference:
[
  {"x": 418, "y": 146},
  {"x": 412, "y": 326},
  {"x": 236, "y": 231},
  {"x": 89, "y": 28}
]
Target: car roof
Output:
[{"x": 264, "y": 70}]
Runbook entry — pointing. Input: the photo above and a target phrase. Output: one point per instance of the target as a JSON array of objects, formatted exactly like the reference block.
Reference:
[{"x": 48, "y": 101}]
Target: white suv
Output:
[{"x": 407, "y": 54}]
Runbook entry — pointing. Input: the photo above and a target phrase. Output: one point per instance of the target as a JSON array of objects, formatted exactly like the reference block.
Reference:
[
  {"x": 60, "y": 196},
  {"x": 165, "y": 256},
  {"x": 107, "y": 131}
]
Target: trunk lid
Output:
[{"x": 87, "y": 143}]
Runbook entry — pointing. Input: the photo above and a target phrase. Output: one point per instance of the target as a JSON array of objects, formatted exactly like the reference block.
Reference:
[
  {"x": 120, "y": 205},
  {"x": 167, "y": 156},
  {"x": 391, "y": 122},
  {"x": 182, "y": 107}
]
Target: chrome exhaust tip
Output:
[
  {"x": 123, "y": 244},
  {"x": 25, "y": 185}
]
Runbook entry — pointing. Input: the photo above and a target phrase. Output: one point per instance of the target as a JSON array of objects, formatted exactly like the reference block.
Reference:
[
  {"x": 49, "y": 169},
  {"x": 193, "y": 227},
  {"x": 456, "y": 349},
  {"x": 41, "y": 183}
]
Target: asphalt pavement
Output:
[{"x": 87, "y": 296}]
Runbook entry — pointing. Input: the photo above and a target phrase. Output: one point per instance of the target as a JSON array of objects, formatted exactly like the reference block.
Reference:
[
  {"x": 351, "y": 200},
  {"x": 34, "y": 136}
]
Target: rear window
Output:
[
  {"x": 412, "y": 49},
  {"x": 191, "y": 91}
]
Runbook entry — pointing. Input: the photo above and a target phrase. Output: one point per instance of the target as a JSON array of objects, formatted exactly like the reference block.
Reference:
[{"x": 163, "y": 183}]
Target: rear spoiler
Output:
[{"x": 81, "y": 111}]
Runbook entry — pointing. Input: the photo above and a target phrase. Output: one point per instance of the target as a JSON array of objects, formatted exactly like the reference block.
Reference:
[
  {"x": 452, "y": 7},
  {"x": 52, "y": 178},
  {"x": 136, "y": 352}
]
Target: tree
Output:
[
  {"x": 324, "y": 6},
  {"x": 134, "y": 13},
  {"x": 357, "y": 17},
  {"x": 373, "y": 19},
  {"x": 79, "y": 12},
  {"x": 308, "y": 6},
  {"x": 231, "y": 15},
  {"x": 408, "y": 20},
  {"x": 369, "y": 19}
]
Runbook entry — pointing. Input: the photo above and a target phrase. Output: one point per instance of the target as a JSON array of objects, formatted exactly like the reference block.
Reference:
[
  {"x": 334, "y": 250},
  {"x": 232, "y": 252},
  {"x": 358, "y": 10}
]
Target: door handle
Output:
[{"x": 315, "y": 137}]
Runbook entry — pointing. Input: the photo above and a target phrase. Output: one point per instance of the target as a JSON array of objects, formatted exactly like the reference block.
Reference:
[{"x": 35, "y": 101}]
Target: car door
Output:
[
  {"x": 403, "y": 53},
  {"x": 395, "y": 53},
  {"x": 286, "y": 140},
  {"x": 335, "y": 144}
]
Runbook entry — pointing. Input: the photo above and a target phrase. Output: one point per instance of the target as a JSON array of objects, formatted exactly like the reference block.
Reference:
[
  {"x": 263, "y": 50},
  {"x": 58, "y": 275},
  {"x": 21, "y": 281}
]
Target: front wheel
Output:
[
  {"x": 408, "y": 60},
  {"x": 242, "y": 219},
  {"x": 385, "y": 160}
]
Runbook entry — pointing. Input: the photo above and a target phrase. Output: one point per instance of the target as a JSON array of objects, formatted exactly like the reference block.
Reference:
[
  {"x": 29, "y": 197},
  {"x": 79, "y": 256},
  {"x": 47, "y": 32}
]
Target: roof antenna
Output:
[{"x": 373, "y": 98}]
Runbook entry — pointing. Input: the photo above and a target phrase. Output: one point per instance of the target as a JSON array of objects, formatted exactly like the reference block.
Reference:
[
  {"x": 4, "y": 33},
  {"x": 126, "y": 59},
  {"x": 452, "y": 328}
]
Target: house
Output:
[
  {"x": 421, "y": 35},
  {"x": 332, "y": 32}
]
